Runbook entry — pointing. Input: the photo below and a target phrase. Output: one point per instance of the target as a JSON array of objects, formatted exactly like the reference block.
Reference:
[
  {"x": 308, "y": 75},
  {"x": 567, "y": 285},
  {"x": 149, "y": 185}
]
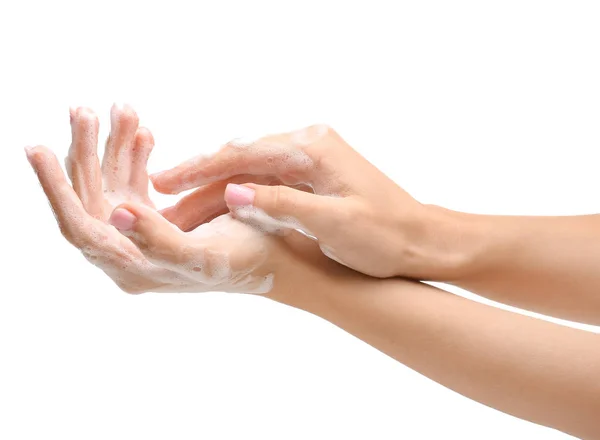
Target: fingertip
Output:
[
  {"x": 168, "y": 212},
  {"x": 155, "y": 176},
  {"x": 87, "y": 113},
  {"x": 123, "y": 113},
  {"x": 28, "y": 153},
  {"x": 144, "y": 136},
  {"x": 118, "y": 107},
  {"x": 122, "y": 107},
  {"x": 172, "y": 215},
  {"x": 37, "y": 153},
  {"x": 155, "y": 180},
  {"x": 161, "y": 183},
  {"x": 84, "y": 118}
]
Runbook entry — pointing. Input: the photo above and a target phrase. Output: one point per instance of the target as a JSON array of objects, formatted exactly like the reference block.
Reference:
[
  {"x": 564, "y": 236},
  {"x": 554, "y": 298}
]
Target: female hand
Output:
[
  {"x": 364, "y": 220},
  {"x": 360, "y": 217},
  {"x": 146, "y": 252}
]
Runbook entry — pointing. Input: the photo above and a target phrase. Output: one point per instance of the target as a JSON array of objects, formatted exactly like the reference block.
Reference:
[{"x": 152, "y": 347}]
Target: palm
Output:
[
  {"x": 122, "y": 177},
  {"x": 220, "y": 255}
]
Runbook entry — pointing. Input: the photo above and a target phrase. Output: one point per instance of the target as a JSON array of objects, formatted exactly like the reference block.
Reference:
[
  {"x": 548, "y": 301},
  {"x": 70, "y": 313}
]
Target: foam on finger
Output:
[
  {"x": 231, "y": 253},
  {"x": 66, "y": 206},
  {"x": 81, "y": 163},
  {"x": 282, "y": 156}
]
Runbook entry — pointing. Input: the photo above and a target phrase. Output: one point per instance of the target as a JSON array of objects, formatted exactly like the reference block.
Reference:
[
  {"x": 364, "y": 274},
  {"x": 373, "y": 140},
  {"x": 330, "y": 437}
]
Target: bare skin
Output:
[
  {"x": 526, "y": 367},
  {"x": 543, "y": 264},
  {"x": 530, "y": 368}
]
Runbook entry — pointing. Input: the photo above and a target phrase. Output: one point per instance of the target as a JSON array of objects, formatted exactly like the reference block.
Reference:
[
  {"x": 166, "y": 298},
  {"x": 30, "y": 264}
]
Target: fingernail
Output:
[
  {"x": 122, "y": 219},
  {"x": 28, "y": 150},
  {"x": 238, "y": 195}
]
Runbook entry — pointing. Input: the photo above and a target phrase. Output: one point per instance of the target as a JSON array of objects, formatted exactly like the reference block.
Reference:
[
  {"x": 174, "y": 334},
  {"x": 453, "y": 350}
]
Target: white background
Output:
[{"x": 490, "y": 107}]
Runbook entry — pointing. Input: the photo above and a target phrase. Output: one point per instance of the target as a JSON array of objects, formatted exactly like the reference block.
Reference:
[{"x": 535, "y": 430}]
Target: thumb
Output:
[
  {"x": 276, "y": 208},
  {"x": 156, "y": 238}
]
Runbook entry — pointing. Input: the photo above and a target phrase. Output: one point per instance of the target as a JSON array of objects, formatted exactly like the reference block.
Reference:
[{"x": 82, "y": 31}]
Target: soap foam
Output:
[{"x": 223, "y": 255}]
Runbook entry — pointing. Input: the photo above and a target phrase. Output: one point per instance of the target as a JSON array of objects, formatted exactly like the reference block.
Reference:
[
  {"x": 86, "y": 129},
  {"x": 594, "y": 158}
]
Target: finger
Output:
[
  {"x": 222, "y": 254},
  {"x": 275, "y": 208},
  {"x": 68, "y": 210},
  {"x": 279, "y": 156},
  {"x": 197, "y": 207},
  {"x": 116, "y": 163},
  {"x": 82, "y": 164},
  {"x": 159, "y": 241},
  {"x": 206, "y": 203},
  {"x": 142, "y": 147}
]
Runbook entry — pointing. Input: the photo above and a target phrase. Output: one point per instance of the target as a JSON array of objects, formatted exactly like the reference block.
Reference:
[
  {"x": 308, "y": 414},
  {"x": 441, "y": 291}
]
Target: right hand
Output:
[{"x": 317, "y": 183}]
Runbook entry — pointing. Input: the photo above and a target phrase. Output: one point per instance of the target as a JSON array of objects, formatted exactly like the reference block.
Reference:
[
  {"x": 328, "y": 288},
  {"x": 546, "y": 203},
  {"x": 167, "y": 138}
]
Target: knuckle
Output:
[
  {"x": 231, "y": 152},
  {"x": 317, "y": 138},
  {"x": 162, "y": 252},
  {"x": 355, "y": 209},
  {"x": 237, "y": 143},
  {"x": 278, "y": 199},
  {"x": 229, "y": 149},
  {"x": 346, "y": 214}
]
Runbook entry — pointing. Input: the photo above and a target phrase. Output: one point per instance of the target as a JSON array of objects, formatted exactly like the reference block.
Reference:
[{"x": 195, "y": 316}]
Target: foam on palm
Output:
[{"x": 223, "y": 255}]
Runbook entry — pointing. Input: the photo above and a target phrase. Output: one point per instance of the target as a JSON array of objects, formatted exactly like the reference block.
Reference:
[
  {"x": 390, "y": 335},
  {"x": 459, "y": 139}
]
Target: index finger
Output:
[
  {"x": 70, "y": 214},
  {"x": 280, "y": 156}
]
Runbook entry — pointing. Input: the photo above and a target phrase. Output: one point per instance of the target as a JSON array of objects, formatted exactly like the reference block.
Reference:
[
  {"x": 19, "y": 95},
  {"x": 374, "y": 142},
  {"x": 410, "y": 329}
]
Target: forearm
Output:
[
  {"x": 523, "y": 366},
  {"x": 549, "y": 265}
]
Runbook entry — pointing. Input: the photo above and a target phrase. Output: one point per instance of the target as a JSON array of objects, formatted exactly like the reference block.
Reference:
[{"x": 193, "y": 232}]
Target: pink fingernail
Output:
[
  {"x": 238, "y": 195},
  {"x": 122, "y": 219}
]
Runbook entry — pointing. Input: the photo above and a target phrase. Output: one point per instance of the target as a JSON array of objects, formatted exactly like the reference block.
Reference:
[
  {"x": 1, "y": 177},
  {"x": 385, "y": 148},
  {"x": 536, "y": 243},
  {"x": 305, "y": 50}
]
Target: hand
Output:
[
  {"x": 314, "y": 181},
  {"x": 149, "y": 254}
]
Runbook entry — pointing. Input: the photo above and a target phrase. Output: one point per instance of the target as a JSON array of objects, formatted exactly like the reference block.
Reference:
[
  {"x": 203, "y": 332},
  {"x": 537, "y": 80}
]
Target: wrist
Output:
[
  {"x": 444, "y": 246},
  {"x": 305, "y": 279}
]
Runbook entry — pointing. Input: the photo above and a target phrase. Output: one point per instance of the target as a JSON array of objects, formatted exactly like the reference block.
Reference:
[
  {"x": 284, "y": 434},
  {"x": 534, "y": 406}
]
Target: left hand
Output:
[{"x": 133, "y": 244}]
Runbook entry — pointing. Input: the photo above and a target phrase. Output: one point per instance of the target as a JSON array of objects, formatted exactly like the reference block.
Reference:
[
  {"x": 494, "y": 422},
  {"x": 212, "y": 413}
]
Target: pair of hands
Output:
[{"x": 231, "y": 235}]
